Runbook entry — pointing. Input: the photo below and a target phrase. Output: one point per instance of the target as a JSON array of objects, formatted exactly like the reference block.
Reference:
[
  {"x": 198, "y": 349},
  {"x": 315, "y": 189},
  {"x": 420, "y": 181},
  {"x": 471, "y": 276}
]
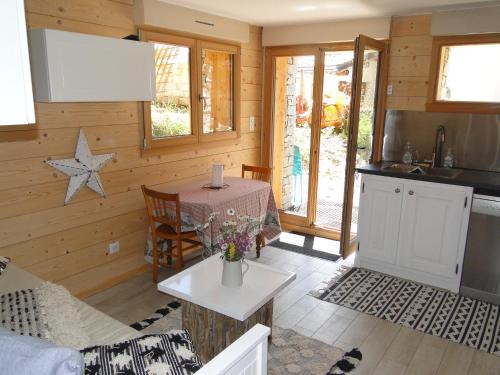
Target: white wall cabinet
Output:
[
  {"x": 414, "y": 229},
  {"x": 16, "y": 95},
  {"x": 73, "y": 67}
]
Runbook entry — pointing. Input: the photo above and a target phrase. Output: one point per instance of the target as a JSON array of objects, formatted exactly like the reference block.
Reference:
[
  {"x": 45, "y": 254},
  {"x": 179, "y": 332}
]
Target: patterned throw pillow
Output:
[
  {"x": 4, "y": 261},
  {"x": 169, "y": 353},
  {"x": 20, "y": 313},
  {"x": 47, "y": 312}
]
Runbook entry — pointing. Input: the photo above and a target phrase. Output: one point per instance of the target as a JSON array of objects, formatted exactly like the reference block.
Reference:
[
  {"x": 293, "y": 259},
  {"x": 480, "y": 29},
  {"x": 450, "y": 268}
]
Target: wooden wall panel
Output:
[
  {"x": 39, "y": 142},
  {"x": 251, "y": 92},
  {"x": 22, "y": 173},
  {"x": 68, "y": 244},
  {"x": 409, "y": 63},
  {"x": 87, "y": 258},
  {"x": 26, "y": 172},
  {"x": 252, "y": 58},
  {"x": 100, "y": 12},
  {"x": 65, "y": 115},
  {"x": 411, "y": 25},
  {"x": 57, "y": 244},
  {"x": 41, "y": 21},
  {"x": 84, "y": 284},
  {"x": 251, "y": 75}
]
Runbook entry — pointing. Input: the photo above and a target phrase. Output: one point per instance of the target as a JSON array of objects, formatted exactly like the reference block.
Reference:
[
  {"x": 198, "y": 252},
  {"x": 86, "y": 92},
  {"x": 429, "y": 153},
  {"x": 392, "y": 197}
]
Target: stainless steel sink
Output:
[
  {"x": 438, "y": 172},
  {"x": 401, "y": 168},
  {"x": 442, "y": 172}
]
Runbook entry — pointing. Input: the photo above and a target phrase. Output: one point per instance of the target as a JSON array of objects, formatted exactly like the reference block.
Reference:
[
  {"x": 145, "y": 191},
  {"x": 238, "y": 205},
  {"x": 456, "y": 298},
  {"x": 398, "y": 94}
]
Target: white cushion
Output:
[{"x": 31, "y": 356}]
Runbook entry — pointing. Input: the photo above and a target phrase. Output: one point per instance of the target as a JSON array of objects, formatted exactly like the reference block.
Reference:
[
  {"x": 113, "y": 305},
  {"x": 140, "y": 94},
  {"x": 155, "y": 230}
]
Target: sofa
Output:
[
  {"x": 248, "y": 353},
  {"x": 101, "y": 328}
]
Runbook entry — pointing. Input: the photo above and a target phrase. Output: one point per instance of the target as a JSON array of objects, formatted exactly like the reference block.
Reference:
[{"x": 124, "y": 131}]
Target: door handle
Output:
[
  {"x": 411, "y": 192},
  {"x": 397, "y": 190}
]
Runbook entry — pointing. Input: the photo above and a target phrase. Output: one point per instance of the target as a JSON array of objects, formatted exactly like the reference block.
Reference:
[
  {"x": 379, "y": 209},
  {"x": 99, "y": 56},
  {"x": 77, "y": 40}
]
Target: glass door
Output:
[
  {"x": 292, "y": 123},
  {"x": 363, "y": 136},
  {"x": 333, "y": 135},
  {"x": 321, "y": 114}
]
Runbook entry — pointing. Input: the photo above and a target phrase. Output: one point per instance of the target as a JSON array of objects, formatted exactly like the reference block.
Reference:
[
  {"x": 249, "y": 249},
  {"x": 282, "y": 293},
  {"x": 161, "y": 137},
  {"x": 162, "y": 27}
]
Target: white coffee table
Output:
[{"x": 217, "y": 315}]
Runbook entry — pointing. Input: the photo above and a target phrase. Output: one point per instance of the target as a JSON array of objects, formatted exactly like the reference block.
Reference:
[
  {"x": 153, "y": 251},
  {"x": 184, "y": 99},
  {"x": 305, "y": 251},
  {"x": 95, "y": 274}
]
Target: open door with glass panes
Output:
[
  {"x": 309, "y": 141},
  {"x": 365, "y": 129}
]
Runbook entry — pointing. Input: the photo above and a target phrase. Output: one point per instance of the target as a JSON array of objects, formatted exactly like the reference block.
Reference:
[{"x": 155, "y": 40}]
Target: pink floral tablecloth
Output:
[{"x": 247, "y": 197}]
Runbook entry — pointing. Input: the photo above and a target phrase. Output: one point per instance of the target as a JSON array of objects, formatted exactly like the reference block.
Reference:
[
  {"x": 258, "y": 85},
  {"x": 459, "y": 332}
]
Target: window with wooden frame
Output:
[
  {"x": 197, "y": 91},
  {"x": 464, "y": 74}
]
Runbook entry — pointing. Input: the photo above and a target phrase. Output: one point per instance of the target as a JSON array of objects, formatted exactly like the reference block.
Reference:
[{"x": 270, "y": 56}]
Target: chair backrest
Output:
[
  {"x": 160, "y": 206},
  {"x": 257, "y": 173}
]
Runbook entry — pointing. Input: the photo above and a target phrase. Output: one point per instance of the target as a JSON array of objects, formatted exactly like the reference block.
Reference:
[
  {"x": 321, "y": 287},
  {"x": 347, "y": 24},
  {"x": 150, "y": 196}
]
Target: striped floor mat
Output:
[{"x": 434, "y": 311}]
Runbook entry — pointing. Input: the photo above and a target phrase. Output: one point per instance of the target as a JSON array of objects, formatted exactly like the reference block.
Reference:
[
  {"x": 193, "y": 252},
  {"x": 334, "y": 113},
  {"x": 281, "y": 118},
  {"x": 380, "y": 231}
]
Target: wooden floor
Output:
[{"x": 387, "y": 348}]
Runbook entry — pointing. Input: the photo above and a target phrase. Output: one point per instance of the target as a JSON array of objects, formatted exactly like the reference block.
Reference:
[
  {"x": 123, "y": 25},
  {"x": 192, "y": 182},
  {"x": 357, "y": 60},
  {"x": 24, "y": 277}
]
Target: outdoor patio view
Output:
[
  {"x": 171, "y": 111},
  {"x": 293, "y": 118}
]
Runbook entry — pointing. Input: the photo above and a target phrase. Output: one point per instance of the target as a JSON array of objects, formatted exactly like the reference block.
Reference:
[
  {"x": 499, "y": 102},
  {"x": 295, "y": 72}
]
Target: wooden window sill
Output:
[
  {"x": 167, "y": 149},
  {"x": 173, "y": 141}
]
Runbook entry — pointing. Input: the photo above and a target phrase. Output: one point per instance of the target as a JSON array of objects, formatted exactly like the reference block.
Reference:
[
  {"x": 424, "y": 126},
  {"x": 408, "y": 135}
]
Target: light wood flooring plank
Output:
[
  {"x": 375, "y": 346},
  {"x": 484, "y": 364},
  {"x": 389, "y": 367},
  {"x": 358, "y": 331},
  {"x": 456, "y": 360},
  {"x": 404, "y": 346},
  {"x": 428, "y": 356}
]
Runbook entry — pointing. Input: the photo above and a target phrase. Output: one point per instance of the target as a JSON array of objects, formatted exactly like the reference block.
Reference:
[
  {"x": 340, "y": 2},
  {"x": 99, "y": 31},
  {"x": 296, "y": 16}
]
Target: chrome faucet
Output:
[{"x": 437, "y": 152}]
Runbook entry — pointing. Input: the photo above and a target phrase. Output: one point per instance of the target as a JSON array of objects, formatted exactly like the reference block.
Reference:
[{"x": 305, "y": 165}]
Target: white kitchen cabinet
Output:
[
  {"x": 381, "y": 201},
  {"x": 73, "y": 67},
  {"x": 16, "y": 95},
  {"x": 431, "y": 228},
  {"x": 418, "y": 233}
]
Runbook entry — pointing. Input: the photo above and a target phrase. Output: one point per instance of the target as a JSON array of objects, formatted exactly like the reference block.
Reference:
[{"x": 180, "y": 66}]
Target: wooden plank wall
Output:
[
  {"x": 67, "y": 244},
  {"x": 409, "y": 65}
]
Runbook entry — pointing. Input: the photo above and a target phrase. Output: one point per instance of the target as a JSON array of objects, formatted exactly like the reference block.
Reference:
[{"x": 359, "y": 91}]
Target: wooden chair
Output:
[
  {"x": 158, "y": 205},
  {"x": 262, "y": 174},
  {"x": 258, "y": 173}
]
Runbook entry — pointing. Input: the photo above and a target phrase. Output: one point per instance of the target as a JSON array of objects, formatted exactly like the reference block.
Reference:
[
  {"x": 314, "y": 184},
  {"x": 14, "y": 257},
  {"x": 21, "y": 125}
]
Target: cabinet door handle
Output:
[
  {"x": 411, "y": 192},
  {"x": 397, "y": 191}
]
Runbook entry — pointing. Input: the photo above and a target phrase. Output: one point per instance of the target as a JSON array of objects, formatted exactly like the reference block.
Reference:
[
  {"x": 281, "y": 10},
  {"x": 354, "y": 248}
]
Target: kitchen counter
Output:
[{"x": 483, "y": 182}]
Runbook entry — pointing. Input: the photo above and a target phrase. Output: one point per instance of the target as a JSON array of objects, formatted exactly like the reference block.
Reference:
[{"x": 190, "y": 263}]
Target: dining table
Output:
[{"x": 205, "y": 209}]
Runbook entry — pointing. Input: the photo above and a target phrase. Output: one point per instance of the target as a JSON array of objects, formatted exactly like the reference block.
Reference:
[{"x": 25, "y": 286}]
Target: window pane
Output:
[
  {"x": 171, "y": 111},
  {"x": 468, "y": 73},
  {"x": 217, "y": 83},
  {"x": 335, "y": 111},
  {"x": 292, "y": 120}
]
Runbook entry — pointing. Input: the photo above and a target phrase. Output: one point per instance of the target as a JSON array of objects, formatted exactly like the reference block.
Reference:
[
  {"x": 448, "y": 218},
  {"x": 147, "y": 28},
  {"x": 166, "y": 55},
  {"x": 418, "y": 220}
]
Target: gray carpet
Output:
[{"x": 289, "y": 353}]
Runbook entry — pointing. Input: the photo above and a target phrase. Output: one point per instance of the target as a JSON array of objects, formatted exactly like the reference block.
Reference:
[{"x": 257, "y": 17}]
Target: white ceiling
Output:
[{"x": 280, "y": 12}]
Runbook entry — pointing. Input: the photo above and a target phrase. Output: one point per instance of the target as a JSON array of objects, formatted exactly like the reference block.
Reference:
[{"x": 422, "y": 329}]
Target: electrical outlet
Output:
[
  {"x": 252, "y": 123},
  {"x": 389, "y": 89},
  {"x": 113, "y": 247}
]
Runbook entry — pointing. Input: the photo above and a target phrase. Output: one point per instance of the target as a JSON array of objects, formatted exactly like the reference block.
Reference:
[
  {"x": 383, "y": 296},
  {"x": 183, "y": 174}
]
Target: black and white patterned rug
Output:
[
  {"x": 157, "y": 315},
  {"x": 434, "y": 311}
]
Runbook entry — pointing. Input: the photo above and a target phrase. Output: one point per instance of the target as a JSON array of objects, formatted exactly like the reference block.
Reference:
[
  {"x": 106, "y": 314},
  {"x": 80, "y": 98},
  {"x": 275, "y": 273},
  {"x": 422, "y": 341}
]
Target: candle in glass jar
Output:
[{"x": 217, "y": 175}]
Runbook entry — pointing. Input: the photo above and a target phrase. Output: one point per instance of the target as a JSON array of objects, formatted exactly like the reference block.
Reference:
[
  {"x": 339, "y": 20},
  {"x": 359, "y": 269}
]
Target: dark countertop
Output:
[{"x": 483, "y": 182}]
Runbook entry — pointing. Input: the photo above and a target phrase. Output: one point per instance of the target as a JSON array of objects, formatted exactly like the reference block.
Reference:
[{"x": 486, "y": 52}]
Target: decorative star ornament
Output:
[{"x": 83, "y": 169}]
